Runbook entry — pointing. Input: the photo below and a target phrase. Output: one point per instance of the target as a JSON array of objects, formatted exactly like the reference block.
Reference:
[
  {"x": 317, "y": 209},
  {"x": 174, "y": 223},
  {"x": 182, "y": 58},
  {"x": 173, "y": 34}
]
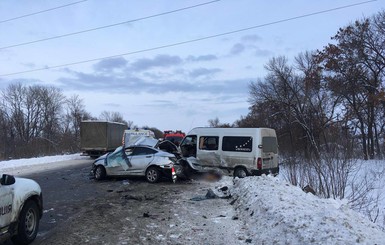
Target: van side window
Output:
[
  {"x": 208, "y": 143},
  {"x": 269, "y": 144},
  {"x": 237, "y": 143}
]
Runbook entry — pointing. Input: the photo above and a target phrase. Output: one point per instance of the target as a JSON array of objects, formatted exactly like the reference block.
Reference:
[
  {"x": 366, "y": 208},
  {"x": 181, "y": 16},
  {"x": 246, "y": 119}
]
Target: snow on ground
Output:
[
  {"x": 278, "y": 213},
  {"x": 38, "y": 164},
  {"x": 273, "y": 211}
]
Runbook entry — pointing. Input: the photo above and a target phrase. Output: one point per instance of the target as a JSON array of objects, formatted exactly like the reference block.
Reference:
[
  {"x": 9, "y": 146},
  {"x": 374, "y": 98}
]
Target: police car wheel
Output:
[
  {"x": 28, "y": 223},
  {"x": 152, "y": 174},
  {"x": 100, "y": 173}
]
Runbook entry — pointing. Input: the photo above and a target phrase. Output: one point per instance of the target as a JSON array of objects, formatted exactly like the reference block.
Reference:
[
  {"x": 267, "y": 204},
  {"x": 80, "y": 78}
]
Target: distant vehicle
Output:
[
  {"x": 131, "y": 135},
  {"x": 174, "y": 136},
  {"x": 136, "y": 160},
  {"x": 242, "y": 151},
  {"x": 100, "y": 137},
  {"x": 21, "y": 208}
]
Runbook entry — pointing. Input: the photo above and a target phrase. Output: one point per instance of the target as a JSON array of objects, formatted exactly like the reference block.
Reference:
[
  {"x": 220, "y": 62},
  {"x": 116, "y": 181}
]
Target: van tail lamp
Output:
[{"x": 259, "y": 163}]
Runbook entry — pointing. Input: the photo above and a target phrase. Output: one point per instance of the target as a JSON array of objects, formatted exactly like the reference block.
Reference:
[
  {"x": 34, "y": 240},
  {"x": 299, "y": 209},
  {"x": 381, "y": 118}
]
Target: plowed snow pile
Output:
[{"x": 276, "y": 212}]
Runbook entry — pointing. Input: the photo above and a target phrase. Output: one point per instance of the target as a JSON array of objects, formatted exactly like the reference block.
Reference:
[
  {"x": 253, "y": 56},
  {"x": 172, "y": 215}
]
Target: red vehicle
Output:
[{"x": 174, "y": 136}]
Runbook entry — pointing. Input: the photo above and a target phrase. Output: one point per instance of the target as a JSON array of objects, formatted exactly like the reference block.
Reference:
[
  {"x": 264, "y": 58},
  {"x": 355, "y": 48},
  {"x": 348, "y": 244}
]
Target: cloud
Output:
[
  {"x": 162, "y": 104},
  {"x": 113, "y": 105},
  {"x": 146, "y": 64},
  {"x": 158, "y": 61},
  {"x": 208, "y": 57},
  {"x": 129, "y": 84},
  {"x": 262, "y": 52},
  {"x": 241, "y": 48},
  {"x": 237, "y": 49},
  {"x": 30, "y": 65},
  {"x": 110, "y": 64},
  {"x": 251, "y": 38},
  {"x": 203, "y": 72},
  {"x": 4, "y": 83}
]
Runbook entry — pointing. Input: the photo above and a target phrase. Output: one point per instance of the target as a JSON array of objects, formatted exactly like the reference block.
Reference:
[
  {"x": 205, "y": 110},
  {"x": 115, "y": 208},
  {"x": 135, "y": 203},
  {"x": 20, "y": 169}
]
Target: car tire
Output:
[
  {"x": 152, "y": 174},
  {"x": 100, "y": 173},
  {"x": 28, "y": 224},
  {"x": 240, "y": 172}
]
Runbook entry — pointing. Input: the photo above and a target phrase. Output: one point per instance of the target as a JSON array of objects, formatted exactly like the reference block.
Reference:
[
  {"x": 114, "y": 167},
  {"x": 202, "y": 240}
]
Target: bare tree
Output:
[
  {"x": 75, "y": 113},
  {"x": 113, "y": 116},
  {"x": 215, "y": 123},
  {"x": 296, "y": 97},
  {"x": 355, "y": 69}
]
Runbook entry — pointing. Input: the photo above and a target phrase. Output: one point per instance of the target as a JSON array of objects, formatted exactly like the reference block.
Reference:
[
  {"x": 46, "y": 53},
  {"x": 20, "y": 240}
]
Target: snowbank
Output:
[{"x": 276, "y": 212}]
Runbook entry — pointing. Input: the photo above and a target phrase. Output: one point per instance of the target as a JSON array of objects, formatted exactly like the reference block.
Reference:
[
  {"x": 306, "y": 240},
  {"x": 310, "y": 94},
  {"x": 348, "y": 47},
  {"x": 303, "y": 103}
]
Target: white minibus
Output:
[{"x": 241, "y": 151}]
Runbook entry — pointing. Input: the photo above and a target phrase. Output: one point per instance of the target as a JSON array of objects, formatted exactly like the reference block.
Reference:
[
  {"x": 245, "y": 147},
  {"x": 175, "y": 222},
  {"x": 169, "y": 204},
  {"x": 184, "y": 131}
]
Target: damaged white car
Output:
[{"x": 141, "y": 158}]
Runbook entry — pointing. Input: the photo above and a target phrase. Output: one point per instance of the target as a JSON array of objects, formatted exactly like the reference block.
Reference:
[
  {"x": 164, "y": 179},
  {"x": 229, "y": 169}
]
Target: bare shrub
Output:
[
  {"x": 364, "y": 191},
  {"x": 336, "y": 175}
]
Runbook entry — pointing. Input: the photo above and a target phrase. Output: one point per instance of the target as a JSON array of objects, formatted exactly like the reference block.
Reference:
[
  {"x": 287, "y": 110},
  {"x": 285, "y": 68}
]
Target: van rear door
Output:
[{"x": 269, "y": 149}]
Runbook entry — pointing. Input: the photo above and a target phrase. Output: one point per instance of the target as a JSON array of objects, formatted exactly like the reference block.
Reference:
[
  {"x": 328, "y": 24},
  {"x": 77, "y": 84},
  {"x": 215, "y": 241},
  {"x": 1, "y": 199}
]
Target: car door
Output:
[
  {"x": 116, "y": 162},
  {"x": 207, "y": 153},
  {"x": 6, "y": 201},
  {"x": 140, "y": 158}
]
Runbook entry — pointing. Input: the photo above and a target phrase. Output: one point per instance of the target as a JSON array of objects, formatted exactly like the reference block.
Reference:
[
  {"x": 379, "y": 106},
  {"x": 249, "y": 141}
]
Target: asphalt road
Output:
[
  {"x": 70, "y": 190},
  {"x": 64, "y": 190},
  {"x": 80, "y": 210}
]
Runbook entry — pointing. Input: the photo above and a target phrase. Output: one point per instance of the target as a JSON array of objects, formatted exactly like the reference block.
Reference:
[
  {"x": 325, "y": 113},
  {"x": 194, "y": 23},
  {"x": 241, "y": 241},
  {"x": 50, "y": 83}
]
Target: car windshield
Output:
[{"x": 118, "y": 158}]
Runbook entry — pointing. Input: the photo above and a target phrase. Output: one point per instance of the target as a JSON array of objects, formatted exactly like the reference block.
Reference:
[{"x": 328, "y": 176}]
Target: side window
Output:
[
  {"x": 237, "y": 143},
  {"x": 143, "y": 151},
  {"x": 208, "y": 143},
  {"x": 129, "y": 151}
]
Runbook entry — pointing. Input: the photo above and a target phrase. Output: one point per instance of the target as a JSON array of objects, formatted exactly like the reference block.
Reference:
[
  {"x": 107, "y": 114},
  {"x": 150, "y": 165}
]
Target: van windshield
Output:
[{"x": 269, "y": 144}]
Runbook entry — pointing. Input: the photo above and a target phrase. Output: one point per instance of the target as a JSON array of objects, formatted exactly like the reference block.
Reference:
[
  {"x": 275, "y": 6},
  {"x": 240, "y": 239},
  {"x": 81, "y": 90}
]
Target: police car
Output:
[{"x": 21, "y": 208}]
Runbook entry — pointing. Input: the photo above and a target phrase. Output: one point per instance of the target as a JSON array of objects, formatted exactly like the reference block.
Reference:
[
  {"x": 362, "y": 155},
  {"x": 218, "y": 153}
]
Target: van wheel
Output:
[
  {"x": 28, "y": 224},
  {"x": 240, "y": 172}
]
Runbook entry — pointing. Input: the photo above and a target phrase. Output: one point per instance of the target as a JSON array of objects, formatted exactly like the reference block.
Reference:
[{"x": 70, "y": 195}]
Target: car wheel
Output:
[
  {"x": 28, "y": 224},
  {"x": 152, "y": 174},
  {"x": 100, "y": 173},
  {"x": 240, "y": 172}
]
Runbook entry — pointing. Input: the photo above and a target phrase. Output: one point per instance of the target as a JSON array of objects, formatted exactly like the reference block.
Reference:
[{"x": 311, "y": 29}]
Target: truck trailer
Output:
[{"x": 100, "y": 137}]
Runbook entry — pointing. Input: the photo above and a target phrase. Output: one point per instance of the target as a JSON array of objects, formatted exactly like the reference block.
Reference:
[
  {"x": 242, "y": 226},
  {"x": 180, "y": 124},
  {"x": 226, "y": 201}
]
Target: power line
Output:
[
  {"x": 42, "y": 11},
  {"x": 108, "y": 26},
  {"x": 189, "y": 41}
]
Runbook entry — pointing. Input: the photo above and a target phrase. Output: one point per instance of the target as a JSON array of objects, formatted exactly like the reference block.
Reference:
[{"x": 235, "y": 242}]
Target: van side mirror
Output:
[{"x": 7, "y": 179}]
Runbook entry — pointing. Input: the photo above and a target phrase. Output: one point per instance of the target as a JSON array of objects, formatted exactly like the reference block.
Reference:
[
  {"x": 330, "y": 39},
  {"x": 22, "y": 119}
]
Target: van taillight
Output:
[{"x": 259, "y": 163}]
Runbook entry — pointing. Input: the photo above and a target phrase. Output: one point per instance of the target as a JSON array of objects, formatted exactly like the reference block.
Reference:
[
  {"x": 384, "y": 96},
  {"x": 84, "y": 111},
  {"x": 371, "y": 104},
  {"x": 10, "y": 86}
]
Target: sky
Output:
[
  {"x": 171, "y": 64},
  {"x": 275, "y": 211}
]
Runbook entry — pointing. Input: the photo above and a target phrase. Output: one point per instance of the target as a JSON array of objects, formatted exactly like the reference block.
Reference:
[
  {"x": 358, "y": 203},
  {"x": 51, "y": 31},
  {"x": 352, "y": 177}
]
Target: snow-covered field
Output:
[{"x": 273, "y": 211}]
